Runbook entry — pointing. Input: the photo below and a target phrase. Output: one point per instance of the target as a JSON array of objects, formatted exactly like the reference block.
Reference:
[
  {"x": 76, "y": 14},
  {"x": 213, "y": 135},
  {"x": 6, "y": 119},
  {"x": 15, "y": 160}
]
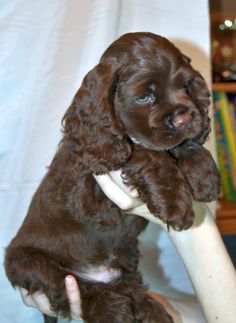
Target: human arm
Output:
[
  {"x": 207, "y": 262},
  {"x": 210, "y": 269}
]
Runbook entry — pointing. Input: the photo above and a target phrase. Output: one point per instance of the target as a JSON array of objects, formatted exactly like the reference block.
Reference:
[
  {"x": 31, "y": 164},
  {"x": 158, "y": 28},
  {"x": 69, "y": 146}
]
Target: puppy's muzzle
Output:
[
  {"x": 178, "y": 119},
  {"x": 181, "y": 120}
]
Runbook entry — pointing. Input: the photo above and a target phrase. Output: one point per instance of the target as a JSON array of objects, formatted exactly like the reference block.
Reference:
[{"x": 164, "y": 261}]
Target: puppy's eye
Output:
[{"x": 146, "y": 98}]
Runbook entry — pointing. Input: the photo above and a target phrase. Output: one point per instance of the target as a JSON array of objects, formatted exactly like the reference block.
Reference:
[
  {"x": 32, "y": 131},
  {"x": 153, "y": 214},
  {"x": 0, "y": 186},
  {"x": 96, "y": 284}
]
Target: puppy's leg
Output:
[
  {"x": 101, "y": 303},
  {"x": 162, "y": 186},
  {"x": 149, "y": 311},
  {"x": 123, "y": 301},
  {"x": 144, "y": 308},
  {"x": 200, "y": 171},
  {"x": 38, "y": 271}
]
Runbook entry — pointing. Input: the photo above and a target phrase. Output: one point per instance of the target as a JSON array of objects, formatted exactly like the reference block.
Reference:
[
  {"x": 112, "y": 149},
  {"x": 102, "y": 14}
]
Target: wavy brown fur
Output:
[{"x": 123, "y": 116}]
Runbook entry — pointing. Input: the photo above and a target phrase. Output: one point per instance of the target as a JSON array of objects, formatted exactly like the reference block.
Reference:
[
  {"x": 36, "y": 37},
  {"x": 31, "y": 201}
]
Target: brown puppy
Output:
[{"x": 143, "y": 108}]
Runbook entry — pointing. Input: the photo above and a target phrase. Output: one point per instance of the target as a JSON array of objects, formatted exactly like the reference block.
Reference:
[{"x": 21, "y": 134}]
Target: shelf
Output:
[
  {"x": 226, "y": 87},
  {"x": 219, "y": 16},
  {"x": 226, "y": 217}
]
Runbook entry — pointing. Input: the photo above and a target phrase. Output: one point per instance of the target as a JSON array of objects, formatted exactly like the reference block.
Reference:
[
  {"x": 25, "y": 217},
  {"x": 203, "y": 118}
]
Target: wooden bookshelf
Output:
[
  {"x": 225, "y": 87},
  {"x": 226, "y": 217}
]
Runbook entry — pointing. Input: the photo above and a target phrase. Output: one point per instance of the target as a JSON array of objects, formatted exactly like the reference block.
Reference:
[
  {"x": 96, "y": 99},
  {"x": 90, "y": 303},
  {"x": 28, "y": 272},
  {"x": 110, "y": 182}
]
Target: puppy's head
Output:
[
  {"x": 144, "y": 90},
  {"x": 160, "y": 99}
]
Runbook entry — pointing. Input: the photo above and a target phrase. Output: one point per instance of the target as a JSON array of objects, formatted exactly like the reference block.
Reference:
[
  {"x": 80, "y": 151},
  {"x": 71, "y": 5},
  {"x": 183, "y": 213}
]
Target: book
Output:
[{"x": 224, "y": 121}]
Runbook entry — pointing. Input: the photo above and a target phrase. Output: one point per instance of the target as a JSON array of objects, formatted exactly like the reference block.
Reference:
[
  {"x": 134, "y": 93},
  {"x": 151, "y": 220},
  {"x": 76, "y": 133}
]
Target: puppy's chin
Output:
[{"x": 165, "y": 138}]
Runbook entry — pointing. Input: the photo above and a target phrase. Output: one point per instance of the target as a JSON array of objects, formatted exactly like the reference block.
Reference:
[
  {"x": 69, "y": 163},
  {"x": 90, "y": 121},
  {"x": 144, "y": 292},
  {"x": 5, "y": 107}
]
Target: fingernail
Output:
[{"x": 69, "y": 281}]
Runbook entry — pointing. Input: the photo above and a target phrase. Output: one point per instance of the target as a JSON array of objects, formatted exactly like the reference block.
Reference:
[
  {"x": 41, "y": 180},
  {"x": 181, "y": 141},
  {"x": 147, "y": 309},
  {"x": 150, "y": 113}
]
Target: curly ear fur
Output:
[
  {"x": 194, "y": 160},
  {"x": 198, "y": 90},
  {"x": 199, "y": 169},
  {"x": 92, "y": 124}
]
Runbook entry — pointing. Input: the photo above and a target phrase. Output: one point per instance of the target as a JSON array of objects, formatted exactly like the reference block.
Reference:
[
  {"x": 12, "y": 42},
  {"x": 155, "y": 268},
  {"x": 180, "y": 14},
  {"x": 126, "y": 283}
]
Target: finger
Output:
[
  {"x": 26, "y": 298},
  {"x": 73, "y": 296},
  {"x": 114, "y": 192},
  {"x": 42, "y": 303},
  {"x": 118, "y": 179}
]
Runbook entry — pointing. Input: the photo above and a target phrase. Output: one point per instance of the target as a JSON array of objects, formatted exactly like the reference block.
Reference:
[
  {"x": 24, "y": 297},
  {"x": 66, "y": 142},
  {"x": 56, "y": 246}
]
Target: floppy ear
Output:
[
  {"x": 91, "y": 122},
  {"x": 199, "y": 92}
]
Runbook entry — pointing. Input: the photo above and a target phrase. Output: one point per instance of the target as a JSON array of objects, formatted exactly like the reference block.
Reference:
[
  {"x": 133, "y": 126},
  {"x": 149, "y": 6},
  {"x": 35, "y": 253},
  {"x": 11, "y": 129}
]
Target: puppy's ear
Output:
[
  {"x": 91, "y": 122},
  {"x": 198, "y": 90}
]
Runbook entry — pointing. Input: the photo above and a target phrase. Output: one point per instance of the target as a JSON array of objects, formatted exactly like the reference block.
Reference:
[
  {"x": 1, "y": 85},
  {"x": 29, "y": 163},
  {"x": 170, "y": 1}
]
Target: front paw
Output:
[
  {"x": 162, "y": 187},
  {"x": 175, "y": 213},
  {"x": 201, "y": 173},
  {"x": 179, "y": 216},
  {"x": 208, "y": 190},
  {"x": 172, "y": 205}
]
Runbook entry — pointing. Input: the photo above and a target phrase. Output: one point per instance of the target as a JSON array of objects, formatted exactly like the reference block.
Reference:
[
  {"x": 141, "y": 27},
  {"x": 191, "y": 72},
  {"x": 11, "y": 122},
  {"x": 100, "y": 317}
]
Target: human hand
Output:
[
  {"x": 40, "y": 301},
  {"x": 123, "y": 196},
  {"x": 114, "y": 188},
  {"x": 127, "y": 199}
]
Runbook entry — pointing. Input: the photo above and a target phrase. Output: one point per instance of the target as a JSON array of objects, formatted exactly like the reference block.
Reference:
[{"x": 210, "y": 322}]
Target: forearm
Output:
[
  {"x": 208, "y": 264},
  {"x": 210, "y": 269}
]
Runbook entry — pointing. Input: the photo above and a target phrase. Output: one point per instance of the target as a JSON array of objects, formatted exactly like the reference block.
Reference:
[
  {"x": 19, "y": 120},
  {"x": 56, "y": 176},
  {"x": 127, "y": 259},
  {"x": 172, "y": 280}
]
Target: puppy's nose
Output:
[{"x": 181, "y": 119}]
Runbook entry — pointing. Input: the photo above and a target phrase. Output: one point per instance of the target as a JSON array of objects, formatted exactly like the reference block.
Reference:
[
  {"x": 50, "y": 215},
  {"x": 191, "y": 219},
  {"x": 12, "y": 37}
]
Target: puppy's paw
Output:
[
  {"x": 180, "y": 221},
  {"x": 179, "y": 216},
  {"x": 201, "y": 173},
  {"x": 207, "y": 186},
  {"x": 172, "y": 203}
]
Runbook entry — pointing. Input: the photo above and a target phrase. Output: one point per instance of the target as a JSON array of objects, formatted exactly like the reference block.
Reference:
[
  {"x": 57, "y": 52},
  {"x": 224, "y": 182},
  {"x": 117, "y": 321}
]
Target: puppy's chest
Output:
[
  {"x": 100, "y": 273},
  {"x": 101, "y": 263},
  {"x": 89, "y": 205}
]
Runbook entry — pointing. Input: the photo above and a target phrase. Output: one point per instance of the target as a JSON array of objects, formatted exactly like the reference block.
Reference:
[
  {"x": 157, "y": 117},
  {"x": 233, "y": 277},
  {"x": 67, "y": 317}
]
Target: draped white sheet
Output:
[{"x": 46, "y": 47}]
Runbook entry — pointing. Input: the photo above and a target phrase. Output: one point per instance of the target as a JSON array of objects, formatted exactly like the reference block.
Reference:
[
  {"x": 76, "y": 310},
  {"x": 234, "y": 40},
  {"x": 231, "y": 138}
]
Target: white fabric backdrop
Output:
[{"x": 46, "y": 47}]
